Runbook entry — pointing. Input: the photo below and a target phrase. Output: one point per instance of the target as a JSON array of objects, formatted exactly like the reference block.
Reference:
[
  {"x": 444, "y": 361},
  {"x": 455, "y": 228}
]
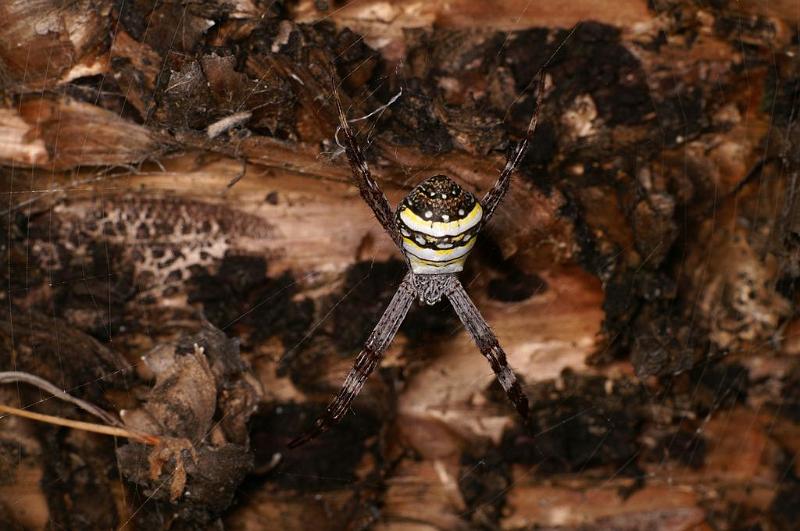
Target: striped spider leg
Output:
[
  {"x": 370, "y": 191},
  {"x": 435, "y": 226},
  {"x": 366, "y": 361},
  {"x": 495, "y": 195},
  {"x": 487, "y": 343}
]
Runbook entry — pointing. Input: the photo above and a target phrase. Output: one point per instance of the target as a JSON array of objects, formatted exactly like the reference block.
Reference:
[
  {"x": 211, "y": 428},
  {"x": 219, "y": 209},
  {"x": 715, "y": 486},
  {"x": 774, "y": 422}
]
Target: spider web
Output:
[{"x": 716, "y": 375}]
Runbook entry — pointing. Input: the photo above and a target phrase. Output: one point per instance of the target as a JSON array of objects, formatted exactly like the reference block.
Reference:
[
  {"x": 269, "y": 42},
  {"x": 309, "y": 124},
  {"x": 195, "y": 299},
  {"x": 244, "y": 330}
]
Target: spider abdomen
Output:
[{"x": 438, "y": 222}]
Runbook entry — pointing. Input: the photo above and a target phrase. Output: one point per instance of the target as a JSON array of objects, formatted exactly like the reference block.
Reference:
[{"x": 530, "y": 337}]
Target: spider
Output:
[{"x": 435, "y": 227}]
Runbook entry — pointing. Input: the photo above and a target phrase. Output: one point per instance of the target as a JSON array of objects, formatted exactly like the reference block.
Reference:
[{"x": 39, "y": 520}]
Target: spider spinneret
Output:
[{"x": 438, "y": 222}]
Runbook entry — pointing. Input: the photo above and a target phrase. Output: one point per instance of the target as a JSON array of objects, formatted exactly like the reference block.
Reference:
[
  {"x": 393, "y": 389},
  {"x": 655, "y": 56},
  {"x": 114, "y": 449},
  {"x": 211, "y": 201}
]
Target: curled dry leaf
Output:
[{"x": 200, "y": 403}]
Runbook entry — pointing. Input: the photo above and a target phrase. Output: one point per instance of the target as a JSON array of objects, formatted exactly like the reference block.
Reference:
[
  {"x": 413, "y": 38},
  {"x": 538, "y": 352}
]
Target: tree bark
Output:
[{"x": 184, "y": 246}]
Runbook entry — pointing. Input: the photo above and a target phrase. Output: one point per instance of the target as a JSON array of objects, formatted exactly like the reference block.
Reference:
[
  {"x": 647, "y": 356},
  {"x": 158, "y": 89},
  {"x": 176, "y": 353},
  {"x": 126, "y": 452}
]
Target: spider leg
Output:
[
  {"x": 370, "y": 191},
  {"x": 495, "y": 195},
  {"x": 366, "y": 361},
  {"x": 489, "y": 347}
]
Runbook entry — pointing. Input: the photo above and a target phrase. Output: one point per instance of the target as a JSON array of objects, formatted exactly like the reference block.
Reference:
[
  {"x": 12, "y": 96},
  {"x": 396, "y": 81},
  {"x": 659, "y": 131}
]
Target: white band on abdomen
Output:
[{"x": 437, "y": 255}]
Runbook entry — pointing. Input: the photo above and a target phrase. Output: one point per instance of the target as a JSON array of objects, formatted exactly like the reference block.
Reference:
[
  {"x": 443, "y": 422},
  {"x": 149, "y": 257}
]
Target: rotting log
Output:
[{"x": 171, "y": 170}]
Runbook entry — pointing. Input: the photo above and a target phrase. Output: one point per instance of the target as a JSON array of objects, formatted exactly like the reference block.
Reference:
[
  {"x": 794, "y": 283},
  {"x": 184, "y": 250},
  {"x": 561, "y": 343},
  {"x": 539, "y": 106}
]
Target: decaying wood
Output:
[{"x": 184, "y": 246}]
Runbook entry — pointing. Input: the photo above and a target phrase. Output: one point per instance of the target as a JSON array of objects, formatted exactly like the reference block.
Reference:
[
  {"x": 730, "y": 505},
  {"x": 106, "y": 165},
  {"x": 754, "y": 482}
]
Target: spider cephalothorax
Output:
[
  {"x": 438, "y": 222},
  {"x": 435, "y": 227}
]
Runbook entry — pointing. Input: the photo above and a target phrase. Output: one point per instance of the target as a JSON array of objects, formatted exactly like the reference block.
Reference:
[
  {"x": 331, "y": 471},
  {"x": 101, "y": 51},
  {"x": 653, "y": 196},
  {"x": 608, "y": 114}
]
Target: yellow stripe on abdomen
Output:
[
  {"x": 437, "y": 255},
  {"x": 438, "y": 229}
]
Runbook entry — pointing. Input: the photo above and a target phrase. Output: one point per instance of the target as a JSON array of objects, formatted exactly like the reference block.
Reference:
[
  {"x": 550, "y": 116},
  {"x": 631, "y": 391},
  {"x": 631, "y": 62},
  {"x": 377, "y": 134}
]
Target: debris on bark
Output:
[{"x": 184, "y": 244}]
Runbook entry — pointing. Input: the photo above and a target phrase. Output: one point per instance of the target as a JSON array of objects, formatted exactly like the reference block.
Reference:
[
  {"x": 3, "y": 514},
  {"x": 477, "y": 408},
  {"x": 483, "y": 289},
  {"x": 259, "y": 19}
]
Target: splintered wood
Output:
[{"x": 185, "y": 248}]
